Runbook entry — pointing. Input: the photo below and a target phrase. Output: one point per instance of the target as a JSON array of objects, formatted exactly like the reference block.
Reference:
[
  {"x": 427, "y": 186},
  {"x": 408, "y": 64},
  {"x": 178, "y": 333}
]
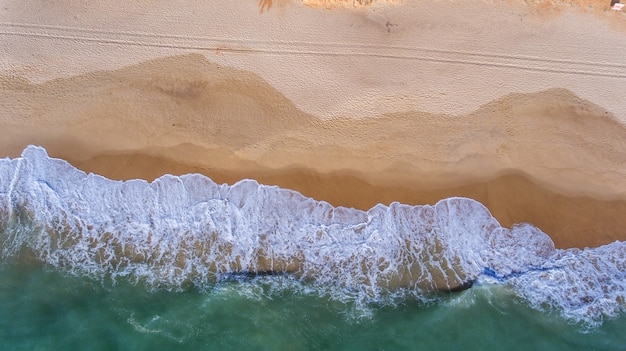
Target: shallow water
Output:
[
  {"x": 42, "y": 309},
  {"x": 90, "y": 263}
]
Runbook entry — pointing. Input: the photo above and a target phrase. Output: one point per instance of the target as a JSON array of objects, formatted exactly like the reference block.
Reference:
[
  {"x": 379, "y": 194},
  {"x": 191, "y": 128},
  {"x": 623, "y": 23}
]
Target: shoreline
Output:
[
  {"x": 513, "y": 198},
  {"x": 519, "y": 109},
  {"x": 547, "y": 158}
]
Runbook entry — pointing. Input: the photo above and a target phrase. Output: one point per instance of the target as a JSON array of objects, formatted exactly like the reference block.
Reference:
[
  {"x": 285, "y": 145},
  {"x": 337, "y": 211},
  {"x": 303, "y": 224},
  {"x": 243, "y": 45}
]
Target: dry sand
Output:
[{"x": 518, "y": 106}]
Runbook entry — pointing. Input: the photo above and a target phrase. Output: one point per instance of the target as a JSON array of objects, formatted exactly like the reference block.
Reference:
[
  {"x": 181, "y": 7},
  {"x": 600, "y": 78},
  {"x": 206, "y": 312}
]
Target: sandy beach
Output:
[{"x": 519, "y": 105}]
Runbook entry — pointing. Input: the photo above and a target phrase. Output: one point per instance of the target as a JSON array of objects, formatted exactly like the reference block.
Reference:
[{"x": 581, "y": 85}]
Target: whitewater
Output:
[{"x": 178, "y": 232}]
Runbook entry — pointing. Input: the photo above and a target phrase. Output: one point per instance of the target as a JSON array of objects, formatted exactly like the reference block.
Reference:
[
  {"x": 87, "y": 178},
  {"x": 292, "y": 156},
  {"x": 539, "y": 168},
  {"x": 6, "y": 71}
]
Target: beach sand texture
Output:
[{"x": 517, "y": 105}]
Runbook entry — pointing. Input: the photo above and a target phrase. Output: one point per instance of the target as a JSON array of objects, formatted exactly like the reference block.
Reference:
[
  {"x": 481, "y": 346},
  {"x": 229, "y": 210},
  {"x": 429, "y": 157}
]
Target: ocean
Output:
[
  {"x": 183, "y": 263},
  {"x": 43, "y": 309}
]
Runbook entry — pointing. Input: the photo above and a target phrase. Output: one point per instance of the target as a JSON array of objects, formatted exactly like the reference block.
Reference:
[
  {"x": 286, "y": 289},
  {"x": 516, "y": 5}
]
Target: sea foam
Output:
[{"x": 188, "y": 230}]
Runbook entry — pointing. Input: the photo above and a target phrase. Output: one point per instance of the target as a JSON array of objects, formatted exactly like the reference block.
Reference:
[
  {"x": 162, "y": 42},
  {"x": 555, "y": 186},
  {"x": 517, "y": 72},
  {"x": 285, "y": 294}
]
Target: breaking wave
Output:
[{"x": 189, "y": 231}]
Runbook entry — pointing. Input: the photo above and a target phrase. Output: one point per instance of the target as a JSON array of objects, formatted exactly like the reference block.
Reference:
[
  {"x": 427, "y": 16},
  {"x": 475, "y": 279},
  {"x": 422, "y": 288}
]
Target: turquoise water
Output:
[
  {"x": 43, "y": 309},
  {"x": 88, "y": 263}
]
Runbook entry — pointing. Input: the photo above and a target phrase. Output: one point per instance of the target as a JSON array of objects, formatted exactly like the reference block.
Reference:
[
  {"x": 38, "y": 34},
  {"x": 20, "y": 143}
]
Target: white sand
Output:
[{"x": 432, "y": 56}]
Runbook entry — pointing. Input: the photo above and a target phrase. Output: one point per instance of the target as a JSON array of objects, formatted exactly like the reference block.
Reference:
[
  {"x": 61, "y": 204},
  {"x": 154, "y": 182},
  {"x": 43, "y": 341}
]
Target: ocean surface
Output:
[{"x": 183, "y": 263}]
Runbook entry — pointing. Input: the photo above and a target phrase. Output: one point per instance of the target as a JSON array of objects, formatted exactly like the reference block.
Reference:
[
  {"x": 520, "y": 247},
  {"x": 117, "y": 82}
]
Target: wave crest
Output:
[{"x": 189, "y": 230}]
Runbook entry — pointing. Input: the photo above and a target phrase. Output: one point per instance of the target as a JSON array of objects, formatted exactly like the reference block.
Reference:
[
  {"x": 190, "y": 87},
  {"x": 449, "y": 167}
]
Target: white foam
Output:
[
  {"x": 185, "y": 230},
  {"x": 583, "y": 285}
]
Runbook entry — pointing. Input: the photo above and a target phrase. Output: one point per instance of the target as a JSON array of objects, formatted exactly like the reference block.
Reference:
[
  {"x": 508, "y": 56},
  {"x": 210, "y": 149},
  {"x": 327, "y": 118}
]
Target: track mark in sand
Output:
[
  {"x": 314, "y": 44},
  {"x": 332, "y": 49}
]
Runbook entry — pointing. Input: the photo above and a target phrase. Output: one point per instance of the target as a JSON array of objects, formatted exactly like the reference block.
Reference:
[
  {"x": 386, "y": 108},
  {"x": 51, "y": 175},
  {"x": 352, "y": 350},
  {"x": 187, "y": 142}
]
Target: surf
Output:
[{"x": 186, "y": 231}]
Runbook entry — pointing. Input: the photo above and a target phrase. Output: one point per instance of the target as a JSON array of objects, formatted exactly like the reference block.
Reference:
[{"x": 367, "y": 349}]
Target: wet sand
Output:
[
  {"x": 535, "y": 140},
  {"x": 513, "y": 198}
]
